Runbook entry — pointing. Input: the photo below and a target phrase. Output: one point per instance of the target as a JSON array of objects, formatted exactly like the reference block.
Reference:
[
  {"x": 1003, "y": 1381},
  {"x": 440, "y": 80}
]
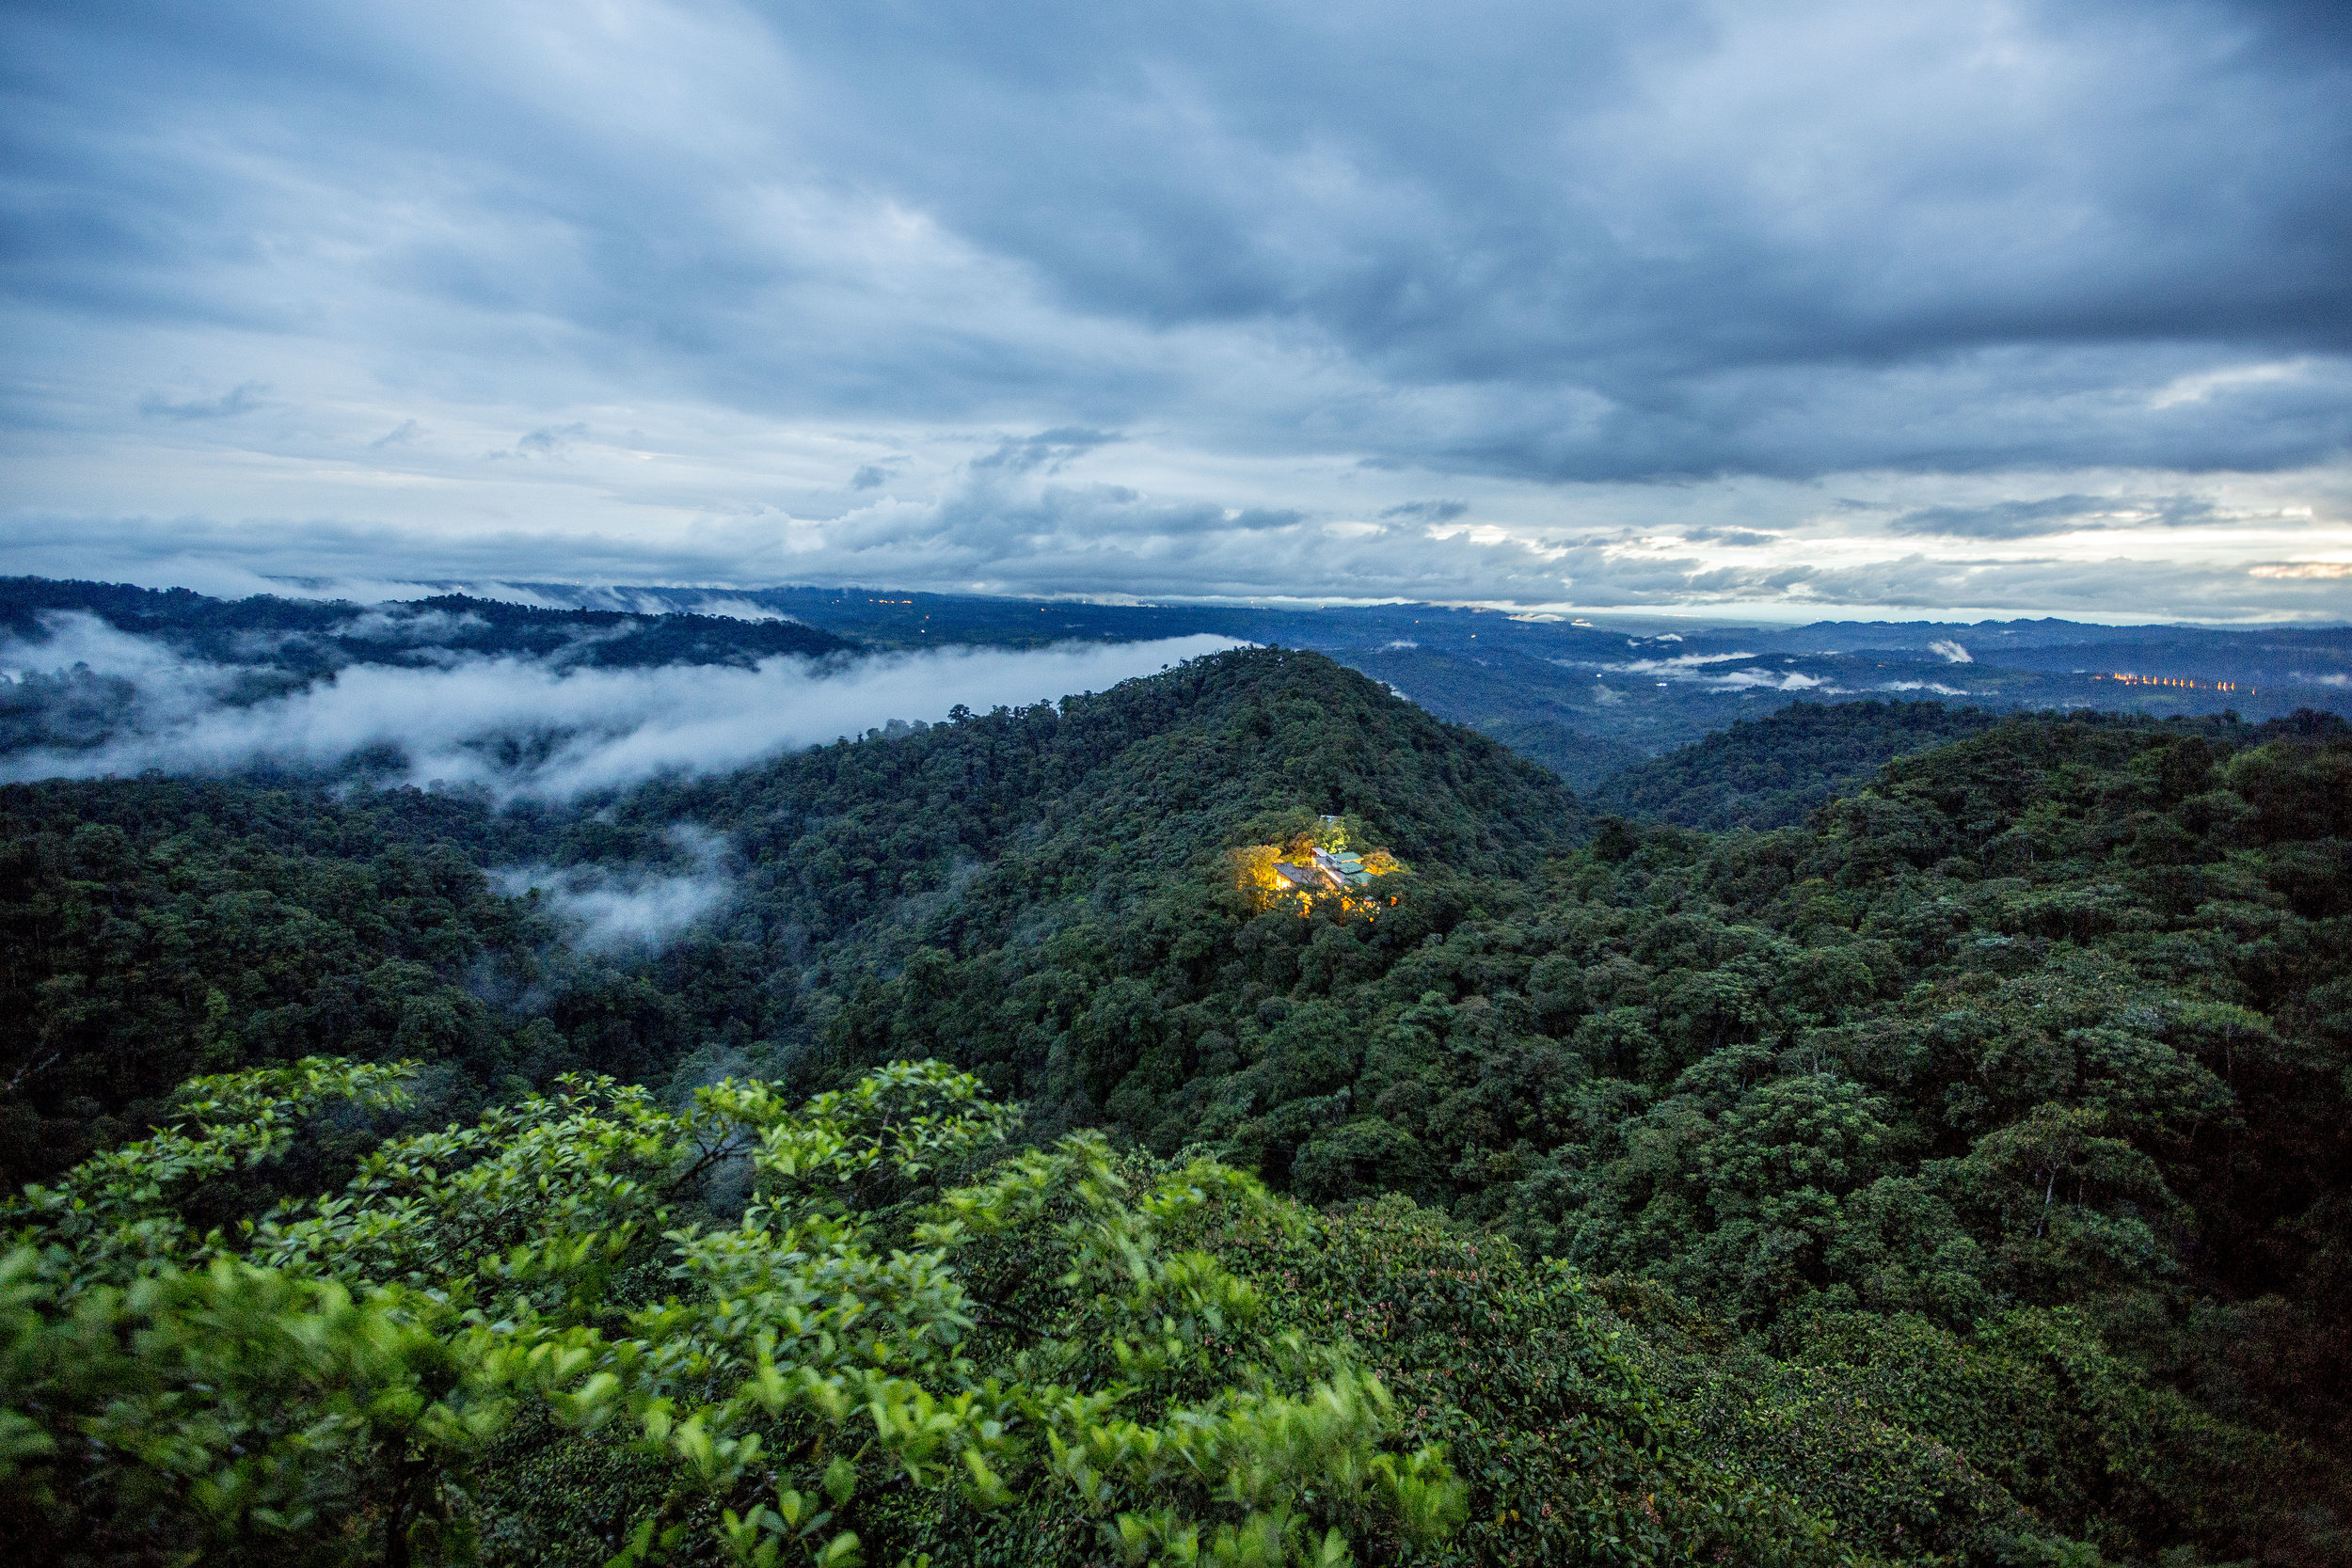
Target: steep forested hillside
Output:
[
  {"x": 155, "y": 929},
  {"x": 1022, "y": 849},
  {"x": 160, "y": 927},
  {"x": 1770, "y": 772},
  {"x": 2030, "y": 1054},
  {"x": 1955, "y": 1177}
]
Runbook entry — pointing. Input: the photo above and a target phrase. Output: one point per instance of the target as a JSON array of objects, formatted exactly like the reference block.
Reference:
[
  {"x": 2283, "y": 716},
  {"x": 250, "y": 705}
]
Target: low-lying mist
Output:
[
  {"x": 612, "y": 908},
  {"x": 516, "y": 726}
]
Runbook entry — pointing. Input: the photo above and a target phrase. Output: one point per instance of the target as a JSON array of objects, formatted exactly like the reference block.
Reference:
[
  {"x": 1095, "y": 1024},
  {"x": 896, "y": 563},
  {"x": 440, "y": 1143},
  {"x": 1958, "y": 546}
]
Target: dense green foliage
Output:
[
  {"x": 2035, "y": 1043},
  {"x": 159, "y": 928},
  {"x": 997, "y": 866},
  {"x": 1770, "y": 772},
  {"x": 329, "y": 1383},
  {"x": 1956, "y": 1175},
  {"x": 153, "y": 930}
]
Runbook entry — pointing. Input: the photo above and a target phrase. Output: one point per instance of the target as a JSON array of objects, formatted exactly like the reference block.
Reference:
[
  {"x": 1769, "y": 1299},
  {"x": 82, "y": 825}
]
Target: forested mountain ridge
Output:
[
  {"x": 105, "y": 678},
  {"x": 156, "y": 928},
  {"x": 1770, "y": 772},
  {"x": 311, "y": 637},
  {"x": 1584, "y": 699},
  {"x": 1039, "y": 831},
  {"x": 1954, "y": 1177},
  {"x": 2043, "y": 1021},
  {"x": 159, "y": 927}
]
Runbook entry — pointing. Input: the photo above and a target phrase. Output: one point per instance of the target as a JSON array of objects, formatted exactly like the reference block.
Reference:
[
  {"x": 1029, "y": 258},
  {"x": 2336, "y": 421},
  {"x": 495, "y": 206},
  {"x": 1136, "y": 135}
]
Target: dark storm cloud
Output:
[
  {"x": 1705, "y": 241},
  {"x": 1532, "y": 244},
  {"x": 237, "y": 400},
  {"x": 364, "y": 561},
  {"x": 2152, "y": 590},
  {"x": 1760, "y": 240},
  {"x": 1739, "y": 538},
  {"x": 546, "y": 441},
  {"x": 550, "y": 439},
  {"x": 2053, "y": 514},
  {"x": 1047, "y": 451}
]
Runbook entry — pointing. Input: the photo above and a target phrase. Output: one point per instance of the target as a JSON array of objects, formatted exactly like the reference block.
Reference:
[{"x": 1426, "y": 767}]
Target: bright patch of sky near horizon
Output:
[{"x": 1810, "y": 307}]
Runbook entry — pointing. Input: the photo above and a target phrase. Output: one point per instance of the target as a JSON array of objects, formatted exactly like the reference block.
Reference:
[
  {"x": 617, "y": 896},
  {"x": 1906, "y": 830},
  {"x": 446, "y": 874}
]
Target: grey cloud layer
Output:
[
  {"x": 523, "y": 727},
  {"x": 1551, "y": 245},
  {"x": 1061, "y": 540}
]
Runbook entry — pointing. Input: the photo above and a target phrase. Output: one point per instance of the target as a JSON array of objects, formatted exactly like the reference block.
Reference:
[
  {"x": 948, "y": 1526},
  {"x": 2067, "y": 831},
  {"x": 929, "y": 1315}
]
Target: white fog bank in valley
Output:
[
  {"x": 612, "y": 908},
  {"x": 520, "y": 727}
]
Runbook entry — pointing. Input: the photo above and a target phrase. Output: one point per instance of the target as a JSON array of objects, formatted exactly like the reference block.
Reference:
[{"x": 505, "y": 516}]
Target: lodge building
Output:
[{"x": 1324, "y": 871}]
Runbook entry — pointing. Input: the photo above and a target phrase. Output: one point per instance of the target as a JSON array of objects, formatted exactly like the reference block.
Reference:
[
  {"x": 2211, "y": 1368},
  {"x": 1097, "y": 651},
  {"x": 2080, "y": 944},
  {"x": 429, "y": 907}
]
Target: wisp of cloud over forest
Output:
[{"x": 523, "y": 727}]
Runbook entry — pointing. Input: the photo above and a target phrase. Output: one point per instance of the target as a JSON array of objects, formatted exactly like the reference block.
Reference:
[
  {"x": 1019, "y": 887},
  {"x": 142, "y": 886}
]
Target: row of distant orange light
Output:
[{"x": 2129, "y": 679}]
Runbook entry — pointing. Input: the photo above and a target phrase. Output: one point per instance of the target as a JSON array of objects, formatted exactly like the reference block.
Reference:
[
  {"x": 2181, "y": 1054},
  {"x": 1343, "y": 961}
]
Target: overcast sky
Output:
[{"x": 1787, "y": 309}]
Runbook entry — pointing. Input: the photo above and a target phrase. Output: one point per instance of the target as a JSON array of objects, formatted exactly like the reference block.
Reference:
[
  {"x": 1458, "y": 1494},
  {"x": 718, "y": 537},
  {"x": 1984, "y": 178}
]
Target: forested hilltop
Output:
[
  {"x": 1954, "y": 1176},
  {"x": 159, "y": 927},
  {"x": 1773, "y": 773},
  {"x": 1587, "y": 700}
]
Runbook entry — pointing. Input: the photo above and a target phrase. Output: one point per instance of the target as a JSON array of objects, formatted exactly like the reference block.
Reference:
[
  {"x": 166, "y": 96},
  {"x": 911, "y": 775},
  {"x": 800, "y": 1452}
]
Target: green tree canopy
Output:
[{"x": 329, "y": 1381}]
